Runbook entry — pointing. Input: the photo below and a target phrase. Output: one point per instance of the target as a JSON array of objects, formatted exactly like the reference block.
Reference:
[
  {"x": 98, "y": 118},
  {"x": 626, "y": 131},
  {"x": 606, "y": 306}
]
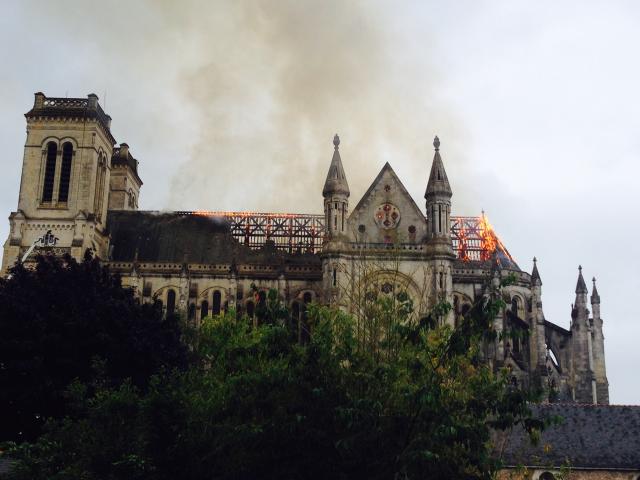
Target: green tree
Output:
[
  {"x": 415, "y": 404},
  {"x": 64, "y": 321}
]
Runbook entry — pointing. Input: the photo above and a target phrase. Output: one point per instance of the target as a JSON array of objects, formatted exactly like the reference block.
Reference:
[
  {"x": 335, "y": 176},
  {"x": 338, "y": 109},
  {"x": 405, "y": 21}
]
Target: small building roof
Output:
[{"x": 586, "y": 437}]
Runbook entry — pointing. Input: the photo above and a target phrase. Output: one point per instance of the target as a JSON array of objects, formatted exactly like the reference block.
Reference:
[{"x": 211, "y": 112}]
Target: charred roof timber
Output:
[{"x": 473, "y": 238}]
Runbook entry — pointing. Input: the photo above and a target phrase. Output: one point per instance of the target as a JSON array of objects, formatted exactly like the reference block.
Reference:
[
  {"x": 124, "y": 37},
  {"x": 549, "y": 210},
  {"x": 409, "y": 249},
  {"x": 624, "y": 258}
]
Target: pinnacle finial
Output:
[
  {"x": 595, "y": 297},
  {"x": 535, "y": 275},
  {"x": 581, "y": 287},
  {"x": 336, "y": 141},
  {"x": 436, "y": 143}
]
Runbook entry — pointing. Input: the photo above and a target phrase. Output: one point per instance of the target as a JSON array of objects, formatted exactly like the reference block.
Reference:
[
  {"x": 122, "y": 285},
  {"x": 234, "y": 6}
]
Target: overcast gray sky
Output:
[{"x": 233, "y": 105}]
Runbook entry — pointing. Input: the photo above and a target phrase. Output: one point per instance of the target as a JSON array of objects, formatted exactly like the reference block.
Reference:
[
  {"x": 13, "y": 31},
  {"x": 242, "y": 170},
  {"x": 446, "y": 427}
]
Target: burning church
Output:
[{"x": 80, "y": 191}]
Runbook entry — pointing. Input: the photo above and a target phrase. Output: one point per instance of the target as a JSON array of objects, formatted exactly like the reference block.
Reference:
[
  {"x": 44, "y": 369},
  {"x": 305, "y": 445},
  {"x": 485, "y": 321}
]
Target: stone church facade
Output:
[{"x": 80, "y": 191}]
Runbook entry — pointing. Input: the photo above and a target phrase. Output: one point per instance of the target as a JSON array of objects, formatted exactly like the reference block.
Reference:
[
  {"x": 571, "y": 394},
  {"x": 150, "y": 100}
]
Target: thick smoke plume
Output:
[
  {"x": 234, "y": 104},
  {"x": 280, "y": 78}
]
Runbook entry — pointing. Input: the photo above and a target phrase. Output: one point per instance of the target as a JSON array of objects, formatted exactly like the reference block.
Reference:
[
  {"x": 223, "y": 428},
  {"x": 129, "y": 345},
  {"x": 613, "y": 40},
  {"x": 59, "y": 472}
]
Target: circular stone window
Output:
[{"x": 387, "y": 216}]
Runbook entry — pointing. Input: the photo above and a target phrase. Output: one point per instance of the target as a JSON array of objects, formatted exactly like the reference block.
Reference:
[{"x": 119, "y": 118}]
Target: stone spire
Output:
[
  {"x": 595, "y": 298},
  {"x": 599, "y": 364},
  {"x": 438, "y": 185},
  {"x": 336, "y": 182},
  {"x": 539, "y": 354},
  {"x": 582, "y": 346},
  {"x": 336, "y": 196},
  {"x": 535, "y": 275},
  {"x": 581, "y": 287}
]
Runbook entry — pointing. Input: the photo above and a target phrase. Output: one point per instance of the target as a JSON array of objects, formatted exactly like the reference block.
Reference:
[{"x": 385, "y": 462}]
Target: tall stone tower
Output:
[
  {"x": 538, "y": 351},
  {"x": 439, "y": 249},
  {"x": 587, "y": 348},
  {"x": 599, "y": 367},
  {"x": 124, "y": 187},
  {"x": 336, "y": 210},
  {"x": 64, "y": 188}
]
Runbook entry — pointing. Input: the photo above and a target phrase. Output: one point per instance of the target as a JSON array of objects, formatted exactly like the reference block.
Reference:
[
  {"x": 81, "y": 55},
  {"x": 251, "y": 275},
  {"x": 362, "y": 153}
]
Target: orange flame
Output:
[
  {"x": 490, "y": 241},
  {"x": 463, "y": 254}
]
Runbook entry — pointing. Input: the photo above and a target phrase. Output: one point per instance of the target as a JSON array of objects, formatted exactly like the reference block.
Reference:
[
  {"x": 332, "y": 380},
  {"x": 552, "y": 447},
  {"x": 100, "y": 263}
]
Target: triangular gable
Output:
[{"x": 387, "y": 188}]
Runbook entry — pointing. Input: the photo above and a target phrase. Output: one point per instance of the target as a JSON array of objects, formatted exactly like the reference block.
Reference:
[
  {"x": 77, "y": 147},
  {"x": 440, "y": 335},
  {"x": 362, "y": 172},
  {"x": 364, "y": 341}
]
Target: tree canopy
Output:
[
  {"x": 409, "y": 399},
  {"x": 65, "y": 321}
]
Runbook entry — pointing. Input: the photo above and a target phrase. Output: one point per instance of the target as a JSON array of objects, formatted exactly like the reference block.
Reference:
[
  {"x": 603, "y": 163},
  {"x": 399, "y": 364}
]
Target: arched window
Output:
[
  {"x": 131, "y": 199},
  {"x": 307, "y": 297},
  {"x": 547, "y": 476},
  {"x": 516, "y": 342},
  {"x": 204, "y": 309},
  {"x": 250, "y": 308},
  {"x": 215, "y": 310},
  {"x": 49, "y": 172},
  {"x": 514, "y": 305},
  {"x": 171, "y": 302},
  {"x": 99, "y": 190},
  {"x": 65, "y": 172}
]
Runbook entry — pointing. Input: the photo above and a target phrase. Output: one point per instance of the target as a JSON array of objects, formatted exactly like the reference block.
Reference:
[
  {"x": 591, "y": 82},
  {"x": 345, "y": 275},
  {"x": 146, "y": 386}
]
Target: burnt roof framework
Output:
[{"x": 472, "y": 237}]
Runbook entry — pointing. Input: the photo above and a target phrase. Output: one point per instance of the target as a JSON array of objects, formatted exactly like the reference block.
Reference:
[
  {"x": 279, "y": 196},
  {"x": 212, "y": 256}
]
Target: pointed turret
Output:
[
  {"x": 535, "y": 275},
  {"x": 581, "y": 287},
  {"x": 539, "y": 354},
  {"x": 438, "y": 184},
  {"x": 439, "y": 246},
  {"x": 336, "y": 181},
  {"x": 336, "y": 195},
  {"x": 438, "y": 204},
  {"x": 595, "y": 298},
  {"x": 582, "y": 346},
  {"x": 599, "y": 364}
]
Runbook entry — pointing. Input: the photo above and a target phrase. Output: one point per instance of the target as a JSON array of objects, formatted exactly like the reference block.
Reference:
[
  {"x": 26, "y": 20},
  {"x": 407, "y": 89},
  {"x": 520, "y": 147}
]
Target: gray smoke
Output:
[{"x": 279, "y": 79}]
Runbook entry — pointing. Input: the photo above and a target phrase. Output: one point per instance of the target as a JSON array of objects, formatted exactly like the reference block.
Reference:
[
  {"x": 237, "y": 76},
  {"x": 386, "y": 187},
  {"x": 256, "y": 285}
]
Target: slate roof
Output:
[
  {"x": 172, "y": 237},
  {"x": 589, "y": 436}
]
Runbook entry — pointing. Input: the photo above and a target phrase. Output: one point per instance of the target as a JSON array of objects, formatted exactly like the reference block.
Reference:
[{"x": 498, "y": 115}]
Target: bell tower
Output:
[{"x": 64, "y": 187}]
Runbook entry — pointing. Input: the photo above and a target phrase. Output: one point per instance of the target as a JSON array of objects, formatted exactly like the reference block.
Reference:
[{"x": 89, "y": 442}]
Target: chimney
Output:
[
  {"x": 124, "y": 150},
  {"x": 39, "y": 101},
  {"x": 93, "y": 101}
]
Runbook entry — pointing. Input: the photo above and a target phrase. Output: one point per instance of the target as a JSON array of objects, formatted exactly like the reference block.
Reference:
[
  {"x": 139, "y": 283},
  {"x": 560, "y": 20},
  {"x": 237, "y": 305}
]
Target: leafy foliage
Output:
[
  {"x": 415, "y": 402},
  {"x": 65, "y": 321}
]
